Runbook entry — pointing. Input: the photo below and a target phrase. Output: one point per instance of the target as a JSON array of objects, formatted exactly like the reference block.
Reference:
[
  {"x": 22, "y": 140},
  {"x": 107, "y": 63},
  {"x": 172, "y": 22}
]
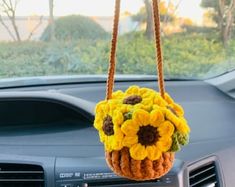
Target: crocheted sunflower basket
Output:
[{"x": 141, "y": 131}]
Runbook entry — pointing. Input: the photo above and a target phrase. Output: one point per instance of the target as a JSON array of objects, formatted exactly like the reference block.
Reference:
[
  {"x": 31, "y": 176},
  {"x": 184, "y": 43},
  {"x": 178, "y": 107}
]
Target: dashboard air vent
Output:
[
  {"x": 204, "y": 176},
  {"x": 21, "y": 175}
]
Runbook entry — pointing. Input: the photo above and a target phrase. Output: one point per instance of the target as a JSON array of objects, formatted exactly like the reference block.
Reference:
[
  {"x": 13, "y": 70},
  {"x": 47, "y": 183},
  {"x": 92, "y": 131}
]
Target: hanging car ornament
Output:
[{"x": 140, "y": 128}]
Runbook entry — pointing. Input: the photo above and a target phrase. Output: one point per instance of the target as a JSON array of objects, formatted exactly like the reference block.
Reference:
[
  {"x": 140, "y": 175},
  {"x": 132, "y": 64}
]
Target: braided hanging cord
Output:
[
  {"x": 112, "y": 59},
  {"x": 159, "y": 58}
]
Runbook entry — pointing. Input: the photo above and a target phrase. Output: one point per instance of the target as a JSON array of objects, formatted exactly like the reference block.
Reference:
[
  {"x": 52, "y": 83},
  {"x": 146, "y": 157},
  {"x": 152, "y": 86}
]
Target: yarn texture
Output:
[{"x": 137, "y": 126}]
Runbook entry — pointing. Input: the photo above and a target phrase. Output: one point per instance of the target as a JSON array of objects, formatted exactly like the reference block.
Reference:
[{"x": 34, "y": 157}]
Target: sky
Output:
[{"x": 188, "y": 8}]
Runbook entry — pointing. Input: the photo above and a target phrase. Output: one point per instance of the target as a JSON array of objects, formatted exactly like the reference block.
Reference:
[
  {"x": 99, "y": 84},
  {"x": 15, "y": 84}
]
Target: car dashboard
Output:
[{"x": 47, "y": 137}]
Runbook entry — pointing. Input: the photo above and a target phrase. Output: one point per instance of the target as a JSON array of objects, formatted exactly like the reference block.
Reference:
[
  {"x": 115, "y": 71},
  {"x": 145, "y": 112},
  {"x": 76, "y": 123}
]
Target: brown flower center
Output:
[
  {"x": 132, "y": 100},
  {"x": 108, "y": 126},
  {"x": 148, "y": 135},
  {"x": 172, "y": 110}
]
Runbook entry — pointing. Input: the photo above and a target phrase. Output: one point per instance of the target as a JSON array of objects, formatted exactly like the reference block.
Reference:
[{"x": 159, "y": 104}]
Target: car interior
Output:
[{"x": 47, "y": 134}]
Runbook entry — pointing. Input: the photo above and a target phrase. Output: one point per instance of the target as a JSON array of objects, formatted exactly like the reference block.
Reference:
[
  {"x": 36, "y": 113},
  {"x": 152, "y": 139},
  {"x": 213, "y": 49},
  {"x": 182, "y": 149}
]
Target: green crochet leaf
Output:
[
  {"x": 127, "y": 116},
  {"x": 178, "y": 139},
  {"x": 183, "y": 139},
  {"x": 175, "y": 144}
]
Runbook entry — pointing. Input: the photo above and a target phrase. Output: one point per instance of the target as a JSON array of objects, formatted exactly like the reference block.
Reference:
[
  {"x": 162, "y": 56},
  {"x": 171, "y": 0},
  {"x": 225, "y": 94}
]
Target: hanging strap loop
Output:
[
  {"x": 112, "y": 58},
  {"x": 159, "y": 58}
]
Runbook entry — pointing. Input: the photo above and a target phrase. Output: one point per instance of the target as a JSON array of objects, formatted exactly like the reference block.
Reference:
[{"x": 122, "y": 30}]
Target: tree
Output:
[
  {"x": 224, "y": 13},
  {"x": 35, "y": 27},
  {"x": 208, "y": 18},
  {"x": 144, "y": 16},
  {"x": 149, "y": 25},
  {"x": 75, "y": 27},
  {"x": 8, "y": 8},
  {"x": 51, "y": 20}
]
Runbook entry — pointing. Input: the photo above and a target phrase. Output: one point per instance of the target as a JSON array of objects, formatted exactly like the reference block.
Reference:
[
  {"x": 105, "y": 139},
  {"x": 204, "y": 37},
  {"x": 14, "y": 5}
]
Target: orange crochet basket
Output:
[
  {"x": 122, "y": 164},
  {"x": 141, "y": 129}
]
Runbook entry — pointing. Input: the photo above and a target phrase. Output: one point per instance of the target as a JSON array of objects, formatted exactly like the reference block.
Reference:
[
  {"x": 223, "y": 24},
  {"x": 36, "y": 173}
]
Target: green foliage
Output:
[
  {"x": 185, "y": 56},
  {"x": 228, "y": 64},
  {"x": 213, "y": 4},
  {"x": 210, "y": 4},
  {"x": 22, "y": 59},
  {"x": 70, "y": 28},
  {"x": 136, "y": 55},
  {"x": 190, "y": 55},
  {"x": 199, "y": 29}
]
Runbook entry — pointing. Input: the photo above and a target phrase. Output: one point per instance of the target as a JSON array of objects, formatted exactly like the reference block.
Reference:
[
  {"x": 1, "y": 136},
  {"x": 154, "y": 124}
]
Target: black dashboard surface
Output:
[{"x": 210, "y": 114}]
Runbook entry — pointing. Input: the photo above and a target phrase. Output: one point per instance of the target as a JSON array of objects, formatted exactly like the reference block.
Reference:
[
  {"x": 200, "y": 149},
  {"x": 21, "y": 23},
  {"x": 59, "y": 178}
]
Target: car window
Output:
[{"x": 67, "y": 37}]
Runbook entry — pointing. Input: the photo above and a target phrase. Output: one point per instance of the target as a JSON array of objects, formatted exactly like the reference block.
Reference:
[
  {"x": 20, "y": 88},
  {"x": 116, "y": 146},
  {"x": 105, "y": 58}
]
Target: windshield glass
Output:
[{"x": 68, "y": 37}]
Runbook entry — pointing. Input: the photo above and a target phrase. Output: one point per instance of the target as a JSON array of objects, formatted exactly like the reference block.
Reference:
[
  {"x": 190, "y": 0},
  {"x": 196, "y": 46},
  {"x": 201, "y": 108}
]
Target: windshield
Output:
[{"x": 68, "y": 37}]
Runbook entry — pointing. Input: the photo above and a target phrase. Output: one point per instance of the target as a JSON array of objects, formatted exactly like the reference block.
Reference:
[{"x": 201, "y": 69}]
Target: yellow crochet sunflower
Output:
[
  {"x": 147, "y": 135},
  {"x": 107, "y": 122},
  {"x": 143, "y": 121},
  {"x": 173, "y": 112},
  {"x": 136, "y": 97}
]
